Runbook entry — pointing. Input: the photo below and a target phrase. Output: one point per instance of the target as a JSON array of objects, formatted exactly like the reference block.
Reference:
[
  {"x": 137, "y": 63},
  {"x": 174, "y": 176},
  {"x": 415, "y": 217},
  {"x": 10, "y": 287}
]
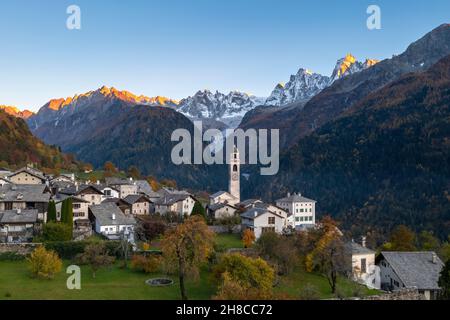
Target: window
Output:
[
  {"x": 92, "y": 198},
  {"x": 107, "y": 192},
  {"x": 271, "y": 220},
  {"x": 301, "y": 210},
  {"x": 235, "y": 168},
  {"x": 76, "y": 206},
  {"x": 297, "y": 219},
  {"x": 363, "y": 265},
  {"x": 268, "y": 229},
  {"x": 8, "y": 205}
]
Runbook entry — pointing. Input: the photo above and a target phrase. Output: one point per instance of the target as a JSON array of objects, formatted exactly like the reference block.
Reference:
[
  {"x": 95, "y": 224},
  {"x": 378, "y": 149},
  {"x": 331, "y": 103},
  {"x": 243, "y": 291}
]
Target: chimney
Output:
[
  {"x": 288, "y": 194},
  {"x": 363, "y": 241},
  {"x": 19, "y": 211},
  {"x": 98, "y": 182},
  {"x": 113, "y": 216},
  {"x": 434, "y": 258}
]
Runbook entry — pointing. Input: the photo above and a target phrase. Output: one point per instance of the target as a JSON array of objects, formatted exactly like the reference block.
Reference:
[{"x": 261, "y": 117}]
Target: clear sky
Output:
[{"x": 175, "y": 47}]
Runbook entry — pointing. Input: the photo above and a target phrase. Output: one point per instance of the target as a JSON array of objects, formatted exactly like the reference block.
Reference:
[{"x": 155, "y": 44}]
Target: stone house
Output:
[
  {"x": 363, "y": 264},
  {"x": 221, "y": 210},
  {"x": 27, "y": 175},
  {"x": 21, "y": 196},
  {"x": 139, "y": 204},
  {"x": 175, "y": 201},
  {"x": 405, "y": 270},
  {"x": 18, "y": 226}
]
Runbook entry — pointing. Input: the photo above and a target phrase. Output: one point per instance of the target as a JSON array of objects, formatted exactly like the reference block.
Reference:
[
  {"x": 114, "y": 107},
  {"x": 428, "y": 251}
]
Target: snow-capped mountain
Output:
[
  {"x": 305, "y": 84},
  {"x": 349, "y": 65},
  {"x": 227, "y": 108},
  {"x": 301, "y": 86}
]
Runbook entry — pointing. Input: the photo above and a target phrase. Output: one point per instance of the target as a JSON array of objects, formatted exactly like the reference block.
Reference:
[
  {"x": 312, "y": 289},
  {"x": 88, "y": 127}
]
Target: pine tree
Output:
[
  {"x": 51, "y": 214},
  {"x": 198, "y": 210}
]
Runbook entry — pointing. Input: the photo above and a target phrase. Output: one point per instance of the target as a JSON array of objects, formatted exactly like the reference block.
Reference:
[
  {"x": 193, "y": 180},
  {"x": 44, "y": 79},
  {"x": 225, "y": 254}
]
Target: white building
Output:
[
  {"x": 261, "y": 220},
  {"x": 363, "y": 264},
  {"x": 110, "y": 221},
  {"x": 233, "y": 196},
  {"x": 301, "y": 210}
]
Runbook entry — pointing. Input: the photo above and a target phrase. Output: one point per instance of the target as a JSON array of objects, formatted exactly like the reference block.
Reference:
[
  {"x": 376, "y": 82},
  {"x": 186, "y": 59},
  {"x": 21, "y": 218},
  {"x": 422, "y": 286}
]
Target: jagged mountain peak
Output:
[
  {"x": 227, "y": 108},
  {"x": 301, "y": 86},
  {"x": 16, "y": 112},
  {"x": 349, "y": 65}
]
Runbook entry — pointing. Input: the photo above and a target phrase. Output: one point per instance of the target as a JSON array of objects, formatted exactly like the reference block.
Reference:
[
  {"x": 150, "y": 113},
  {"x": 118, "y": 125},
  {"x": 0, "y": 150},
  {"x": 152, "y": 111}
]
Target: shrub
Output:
[
  {"x": 148, "y": 264},
  {"x": 11, "y": 256},
  {"x": 55, "y": 231},
  {"x": 248, "y": 237},
  {"x": 43, "y": 263},
  {"x": 70, "y": 249}
]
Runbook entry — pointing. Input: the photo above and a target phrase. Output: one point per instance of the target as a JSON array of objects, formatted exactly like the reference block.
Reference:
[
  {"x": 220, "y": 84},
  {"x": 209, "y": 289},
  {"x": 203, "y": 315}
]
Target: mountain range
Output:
[
  {"x": 368, "y": 142},
  {"x": 382, "y": 163}
]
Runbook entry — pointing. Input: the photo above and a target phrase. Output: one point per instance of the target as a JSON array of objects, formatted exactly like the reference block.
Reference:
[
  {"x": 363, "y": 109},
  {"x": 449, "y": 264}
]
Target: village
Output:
[{"x": 113, "y": 210}]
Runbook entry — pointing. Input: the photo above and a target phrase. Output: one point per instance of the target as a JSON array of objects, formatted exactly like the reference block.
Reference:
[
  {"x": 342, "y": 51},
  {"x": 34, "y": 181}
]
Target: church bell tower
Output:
[{"x": 235, "y": 173}]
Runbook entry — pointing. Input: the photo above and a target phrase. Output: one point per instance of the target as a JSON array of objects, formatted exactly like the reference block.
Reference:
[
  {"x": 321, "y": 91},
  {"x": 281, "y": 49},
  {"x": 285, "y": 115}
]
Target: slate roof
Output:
[
  {"x": 24, "y": 193},
  {"x": 415, "y": 269},
  {"x": 144, "y": 187},
  {"x": 103, "y": 214},
  {"x": 170, "y": 199},
  {"x": 217, "y": 206},
  {"x": 118, "y": 181},
  {"x": 72, "y": 189},
  {"x": 256, "y": 212},
  {"x": 133, "y": 198},
  {"x": 295, "y": 198},
  {"x": 248, "y": 202},
  {"x": 356, "y": 248},
  {"x": 220, "y": 193},
  {"x": 13, "y": 217},
  {"x": 61, "y": 197},
  {"x": 36, "y": 173}
]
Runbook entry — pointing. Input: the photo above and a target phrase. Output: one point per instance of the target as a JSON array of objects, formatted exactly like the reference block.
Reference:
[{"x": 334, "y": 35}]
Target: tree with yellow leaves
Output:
[
  {"x": 329, "y": 255},
  {"x": 44, "y": 264},
  {"x": 248, "y": 238},
  {"x": 186, "y": 247}
]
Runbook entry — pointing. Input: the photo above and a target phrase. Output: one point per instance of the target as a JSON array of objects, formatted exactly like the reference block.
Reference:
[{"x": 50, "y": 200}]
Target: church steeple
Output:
[{"x": 235, "y": 173}]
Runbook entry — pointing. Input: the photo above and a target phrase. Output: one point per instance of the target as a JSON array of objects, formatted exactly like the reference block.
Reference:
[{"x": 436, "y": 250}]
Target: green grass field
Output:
[{"x": 115, "y": 283}]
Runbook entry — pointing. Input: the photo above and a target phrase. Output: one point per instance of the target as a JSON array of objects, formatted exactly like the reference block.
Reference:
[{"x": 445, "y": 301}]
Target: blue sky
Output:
[{"x": 175, "y": 47}]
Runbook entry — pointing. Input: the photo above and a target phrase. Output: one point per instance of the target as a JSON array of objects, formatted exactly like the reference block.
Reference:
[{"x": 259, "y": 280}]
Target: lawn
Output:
[
  {"x": 293, "y": 284},
  {"x": 112, "y": 283},
  {"x": 115, "y": 283},
  {"x": 228, "y": 241}
]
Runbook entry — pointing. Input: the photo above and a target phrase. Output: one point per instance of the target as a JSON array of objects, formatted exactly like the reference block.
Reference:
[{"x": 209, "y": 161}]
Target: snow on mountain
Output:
[
  {"x": 349, "y": 65},
  {"x": 302, "y": 86},
  {"x": 227, "y": 108},
  {"x": 306, "y": 84}
]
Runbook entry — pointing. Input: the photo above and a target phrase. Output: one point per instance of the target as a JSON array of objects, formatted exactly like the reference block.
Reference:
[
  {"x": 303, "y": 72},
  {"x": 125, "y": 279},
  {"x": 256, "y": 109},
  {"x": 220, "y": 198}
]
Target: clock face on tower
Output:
[{"x": 234, "y": 176}]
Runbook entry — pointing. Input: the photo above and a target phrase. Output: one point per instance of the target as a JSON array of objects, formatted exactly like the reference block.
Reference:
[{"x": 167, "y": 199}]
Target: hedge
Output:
[{"x": 69, "y": 249}]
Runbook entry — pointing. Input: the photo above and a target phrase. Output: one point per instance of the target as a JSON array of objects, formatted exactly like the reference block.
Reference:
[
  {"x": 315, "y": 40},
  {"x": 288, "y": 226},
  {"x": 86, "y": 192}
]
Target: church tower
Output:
[{"x": 235, "y": 173}]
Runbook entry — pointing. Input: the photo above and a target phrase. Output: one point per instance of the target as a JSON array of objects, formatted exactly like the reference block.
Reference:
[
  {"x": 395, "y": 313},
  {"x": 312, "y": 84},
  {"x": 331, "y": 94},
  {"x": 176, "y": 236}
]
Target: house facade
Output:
[
  {"x": 363, "y": 264},
  {"x": 27, "y": 176},
  {"x": 419, "y": 270},
  {"x": 221, "y": 210},
  {"x": 17, "y": 226},
  {"x": 139, "y": 204},
  {"x": 13, "y": 197},
  {"x": 301, "y": 210},
  {"x": 261, "y": 220},
  {"x": 111, "y": 222}
]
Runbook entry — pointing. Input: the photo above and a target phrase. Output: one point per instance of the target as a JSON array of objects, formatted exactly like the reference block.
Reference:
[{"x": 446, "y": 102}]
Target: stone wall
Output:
[
  {"x": 224, "y": 229},
  {"x": 406, "y": 294},
  {"x": 19, "y": 248}
]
